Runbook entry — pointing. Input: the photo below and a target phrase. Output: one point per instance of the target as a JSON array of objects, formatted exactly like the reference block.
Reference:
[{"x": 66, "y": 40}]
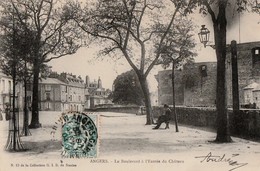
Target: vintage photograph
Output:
[{"x": 130, "y": 85}]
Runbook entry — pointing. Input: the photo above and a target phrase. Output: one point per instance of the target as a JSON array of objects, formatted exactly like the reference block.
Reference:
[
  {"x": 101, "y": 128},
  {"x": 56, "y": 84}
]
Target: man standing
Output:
[
  {"x": 7, "y": 112},
  {"x": 166, "y": 117},
  {"x": 1, "y": 116}
]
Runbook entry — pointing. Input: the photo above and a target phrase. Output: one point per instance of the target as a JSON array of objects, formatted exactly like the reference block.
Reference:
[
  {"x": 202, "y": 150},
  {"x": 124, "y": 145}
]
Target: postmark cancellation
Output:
[{"x": 79, "y": 135}]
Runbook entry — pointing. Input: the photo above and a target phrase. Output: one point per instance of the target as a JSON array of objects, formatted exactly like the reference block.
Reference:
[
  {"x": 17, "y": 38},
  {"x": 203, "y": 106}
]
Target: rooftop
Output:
[{"x": 51, "y": 81}]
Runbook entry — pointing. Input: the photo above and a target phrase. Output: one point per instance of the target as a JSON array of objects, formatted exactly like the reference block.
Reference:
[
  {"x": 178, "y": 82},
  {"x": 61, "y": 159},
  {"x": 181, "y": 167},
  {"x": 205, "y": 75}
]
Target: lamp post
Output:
[{"x": 204, "y": 39}]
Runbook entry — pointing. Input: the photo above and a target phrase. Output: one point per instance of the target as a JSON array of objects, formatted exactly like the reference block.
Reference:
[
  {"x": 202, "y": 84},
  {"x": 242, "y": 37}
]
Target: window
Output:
[
  {"x": 48, "y": 87},
  {"x": 48, "y": 106},
  {"x": 48, "y": 96},
  {"x": 256, "y": 55},
  {"x": 9, "y": 86},
  {"x": 203, "y": 70}
]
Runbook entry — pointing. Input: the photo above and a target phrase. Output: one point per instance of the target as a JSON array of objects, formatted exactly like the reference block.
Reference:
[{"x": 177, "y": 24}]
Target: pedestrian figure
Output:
[
  {"x": 7, "y": 112},
  {"x": 1, "y": 116},
  {"x": 165, "y": 118}
]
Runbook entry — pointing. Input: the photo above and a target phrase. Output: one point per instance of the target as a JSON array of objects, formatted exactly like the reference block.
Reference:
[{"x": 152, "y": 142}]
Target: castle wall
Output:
[
  {"x": 165, "y": 88},
  {"x": 198, "y": 85},
  {"x": 248, "y": 70}
]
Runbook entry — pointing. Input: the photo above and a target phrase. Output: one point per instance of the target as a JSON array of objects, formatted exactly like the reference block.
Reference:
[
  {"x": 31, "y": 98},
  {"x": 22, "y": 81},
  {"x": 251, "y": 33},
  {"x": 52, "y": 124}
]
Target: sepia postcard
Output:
[{"x": 130, "y": 85}]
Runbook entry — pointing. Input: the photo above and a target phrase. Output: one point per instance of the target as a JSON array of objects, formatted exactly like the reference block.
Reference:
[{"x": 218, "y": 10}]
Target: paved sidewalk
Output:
[{"x": 125, "y": 138}]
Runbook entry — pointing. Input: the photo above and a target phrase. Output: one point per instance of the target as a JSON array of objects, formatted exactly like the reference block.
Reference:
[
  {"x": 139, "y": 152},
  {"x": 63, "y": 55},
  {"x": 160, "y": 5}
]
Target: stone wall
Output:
[
  {"x": 196, "y": 87},
  {"x": 165, "y": 87},
  {"x": 245, "y": 124},
  {"x": 200, "y": 84},
  {"x": 248, "y": 71},
  {"x": 121, "y": 109}
]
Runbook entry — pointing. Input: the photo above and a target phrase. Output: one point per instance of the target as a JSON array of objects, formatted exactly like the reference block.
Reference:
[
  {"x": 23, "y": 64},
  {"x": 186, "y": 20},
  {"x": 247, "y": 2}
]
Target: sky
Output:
[{"x": 84, "y": 62}]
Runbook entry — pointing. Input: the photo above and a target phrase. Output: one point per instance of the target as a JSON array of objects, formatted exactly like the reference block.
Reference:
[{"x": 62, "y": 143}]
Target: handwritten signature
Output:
[{"x": 222, "y": 158}]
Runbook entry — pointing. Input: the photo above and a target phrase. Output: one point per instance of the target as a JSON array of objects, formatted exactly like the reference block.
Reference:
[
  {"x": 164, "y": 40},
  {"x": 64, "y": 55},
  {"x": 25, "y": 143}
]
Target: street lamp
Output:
[
  {"x": 257, "y": 3},
  {"x": 204, "y": 35},
  {"x": 204, "y": 38}
]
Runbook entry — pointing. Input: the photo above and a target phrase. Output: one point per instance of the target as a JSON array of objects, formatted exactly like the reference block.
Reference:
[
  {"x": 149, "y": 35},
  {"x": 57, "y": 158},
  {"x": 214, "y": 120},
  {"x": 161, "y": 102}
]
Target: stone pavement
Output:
[{"x": 125, "y": 142}]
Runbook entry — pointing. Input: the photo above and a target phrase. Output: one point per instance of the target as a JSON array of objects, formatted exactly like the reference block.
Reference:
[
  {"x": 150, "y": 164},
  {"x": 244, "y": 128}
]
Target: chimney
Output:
[{"x": 87, "y": 81}]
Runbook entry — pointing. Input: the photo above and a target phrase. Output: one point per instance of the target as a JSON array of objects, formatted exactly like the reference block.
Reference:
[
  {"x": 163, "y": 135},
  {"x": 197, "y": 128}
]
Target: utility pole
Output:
[{"x": 235, "y": 88}]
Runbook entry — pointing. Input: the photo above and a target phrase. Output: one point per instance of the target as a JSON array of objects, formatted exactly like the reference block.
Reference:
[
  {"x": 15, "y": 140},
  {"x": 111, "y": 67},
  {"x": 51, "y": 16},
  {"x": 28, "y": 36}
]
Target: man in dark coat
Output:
[{"x": 166, "y": 117}]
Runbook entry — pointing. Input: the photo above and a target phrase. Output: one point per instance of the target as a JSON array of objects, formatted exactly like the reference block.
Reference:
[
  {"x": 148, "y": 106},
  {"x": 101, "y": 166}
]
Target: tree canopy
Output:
[
  {"x": 128, "y": 28},
  {"x": 52, "y": 35},
  {"x": 127, "y": 89}
]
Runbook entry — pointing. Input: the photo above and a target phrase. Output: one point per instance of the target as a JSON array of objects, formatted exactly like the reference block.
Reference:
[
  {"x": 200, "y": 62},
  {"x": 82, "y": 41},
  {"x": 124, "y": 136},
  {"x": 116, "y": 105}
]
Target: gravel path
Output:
[{"x": 126, "y": 142}]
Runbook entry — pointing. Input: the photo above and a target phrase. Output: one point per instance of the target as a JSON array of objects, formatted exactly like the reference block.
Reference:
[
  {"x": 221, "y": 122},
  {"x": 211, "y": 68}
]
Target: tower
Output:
[{"x": 99, "y": 83}]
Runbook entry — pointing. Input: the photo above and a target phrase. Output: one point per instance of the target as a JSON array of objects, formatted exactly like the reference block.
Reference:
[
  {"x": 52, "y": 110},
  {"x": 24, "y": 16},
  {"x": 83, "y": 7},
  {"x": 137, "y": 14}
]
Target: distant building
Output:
[
  {"x": 248, "y": 93},
  {"x": 67, "y": 92},
  {"x": 5, "y": 89},
  {"x": 196, "y": 83},
  {"x": 252, "y": 95},
  {"x": 98, "y": 95}
]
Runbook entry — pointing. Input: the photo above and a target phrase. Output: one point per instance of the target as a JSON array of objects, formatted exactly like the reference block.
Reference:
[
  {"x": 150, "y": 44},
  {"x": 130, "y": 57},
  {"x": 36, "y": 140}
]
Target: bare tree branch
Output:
[{"x": 161, "y": 41}]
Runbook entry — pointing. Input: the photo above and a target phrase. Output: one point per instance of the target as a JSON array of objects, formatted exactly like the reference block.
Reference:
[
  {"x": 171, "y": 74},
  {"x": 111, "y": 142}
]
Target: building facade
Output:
[
  {"x": 198, "y": 80},
  {"x": 58, "y": 92},
  {"x": 98, "y": 95},
  {"x": 6, "y": 85},
  {"x": 6, "y": 90},
  {"x": 67, "y": 92}
]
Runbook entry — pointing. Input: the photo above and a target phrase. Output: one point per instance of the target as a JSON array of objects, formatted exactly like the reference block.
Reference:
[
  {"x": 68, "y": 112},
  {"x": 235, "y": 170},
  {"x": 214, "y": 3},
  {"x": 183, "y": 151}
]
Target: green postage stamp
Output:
[{"x": 79, "y": 135}]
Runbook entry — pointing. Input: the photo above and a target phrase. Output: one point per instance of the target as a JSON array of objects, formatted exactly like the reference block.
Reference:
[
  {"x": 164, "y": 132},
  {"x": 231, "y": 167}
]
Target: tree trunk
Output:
[
  {"x": 13, "y": 114},
  {"x": 223, "y": 133},
  {"x": 35, "y": 123},
  {"x": 26, "y": 131},
  {"x": 147, "y": 99},
  {"x": 173, "y": 97},
  {"x": 13, "y": 141}
]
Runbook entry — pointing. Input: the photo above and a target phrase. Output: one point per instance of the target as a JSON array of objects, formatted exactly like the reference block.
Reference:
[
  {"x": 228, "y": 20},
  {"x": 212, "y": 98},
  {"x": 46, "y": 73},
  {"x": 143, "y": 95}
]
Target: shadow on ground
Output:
[
  {"x": 42, "y": 146},
  {"x": 144, "y": 145}
]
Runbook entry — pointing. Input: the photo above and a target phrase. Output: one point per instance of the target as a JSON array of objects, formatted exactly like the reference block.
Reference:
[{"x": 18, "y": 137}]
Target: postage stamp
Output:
[{"x": 79, "y": 135}]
